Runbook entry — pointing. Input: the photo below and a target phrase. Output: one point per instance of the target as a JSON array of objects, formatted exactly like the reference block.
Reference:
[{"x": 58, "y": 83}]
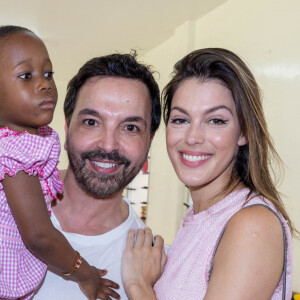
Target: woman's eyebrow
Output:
[
  {"x": 182, "y": 110},
  {"x": 207, "y": 111},
  {"x": 215, "y": 108}
]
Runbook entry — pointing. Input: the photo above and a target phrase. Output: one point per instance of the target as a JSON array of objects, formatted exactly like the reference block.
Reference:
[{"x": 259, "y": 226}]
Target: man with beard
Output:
[{"x": 112, "y": 111}]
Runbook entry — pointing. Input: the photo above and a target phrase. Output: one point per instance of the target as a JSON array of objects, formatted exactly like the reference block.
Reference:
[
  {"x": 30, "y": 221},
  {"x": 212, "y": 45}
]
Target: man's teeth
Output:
[
  {"x": 195, "y": 158},
  {"x": 104, "y": 165}
]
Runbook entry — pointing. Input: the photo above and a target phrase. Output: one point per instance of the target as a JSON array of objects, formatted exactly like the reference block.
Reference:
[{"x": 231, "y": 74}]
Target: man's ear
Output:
[
  {"x": 242, "y": 141},
  {"x": 66, "y": 132}
]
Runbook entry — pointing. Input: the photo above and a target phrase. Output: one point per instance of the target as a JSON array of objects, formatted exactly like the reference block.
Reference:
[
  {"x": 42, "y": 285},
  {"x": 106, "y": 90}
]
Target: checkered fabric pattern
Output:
[{"x": 20, "y": 271}]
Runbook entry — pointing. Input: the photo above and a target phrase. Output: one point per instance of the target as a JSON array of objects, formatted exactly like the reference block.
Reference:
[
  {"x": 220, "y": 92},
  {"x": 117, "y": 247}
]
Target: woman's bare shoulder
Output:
[
  {"x": 255, "y": 219},
  {"x": 249, "y": 259}
]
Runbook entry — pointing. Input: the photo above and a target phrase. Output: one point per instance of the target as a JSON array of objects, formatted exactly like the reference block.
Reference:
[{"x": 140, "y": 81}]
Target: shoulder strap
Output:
[{"x": 285, "y": 248}]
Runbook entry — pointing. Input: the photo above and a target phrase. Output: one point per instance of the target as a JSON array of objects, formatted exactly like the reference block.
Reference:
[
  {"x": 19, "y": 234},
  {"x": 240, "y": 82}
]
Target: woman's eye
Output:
[
  {"x": 90, "y": 122},
  {"x": 49, "y": 75},
  {"x": 131, "y": 127},
  {"x": 25, "y": 76},
  {"x": 217, "y": 121},
  {"x": 178, "y": 121}
]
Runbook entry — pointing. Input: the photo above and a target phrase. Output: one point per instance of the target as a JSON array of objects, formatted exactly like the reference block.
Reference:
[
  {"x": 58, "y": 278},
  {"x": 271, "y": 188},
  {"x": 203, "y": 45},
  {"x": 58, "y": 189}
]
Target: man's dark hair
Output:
[
  {"x": 115, "y": 65},
  {"x": 11, "y": 29}
]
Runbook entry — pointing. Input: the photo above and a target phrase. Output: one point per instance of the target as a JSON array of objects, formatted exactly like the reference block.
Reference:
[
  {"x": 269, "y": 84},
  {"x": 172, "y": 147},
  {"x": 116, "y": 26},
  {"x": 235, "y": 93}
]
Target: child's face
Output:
[{"x": 28, "y": 93}]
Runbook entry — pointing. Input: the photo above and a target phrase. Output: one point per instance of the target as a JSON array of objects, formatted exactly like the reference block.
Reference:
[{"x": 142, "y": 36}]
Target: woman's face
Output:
[{"x": 203, "y": 133}]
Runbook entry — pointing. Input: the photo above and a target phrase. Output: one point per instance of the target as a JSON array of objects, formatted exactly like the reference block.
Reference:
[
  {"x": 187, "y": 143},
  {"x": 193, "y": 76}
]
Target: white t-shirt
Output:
[{"x": 102, "y": 251}]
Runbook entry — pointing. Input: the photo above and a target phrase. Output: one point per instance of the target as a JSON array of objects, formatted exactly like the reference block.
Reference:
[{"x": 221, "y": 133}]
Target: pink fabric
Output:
[
  {"x": 186, "y": 272},
  {"x": 20, "y": 271}
]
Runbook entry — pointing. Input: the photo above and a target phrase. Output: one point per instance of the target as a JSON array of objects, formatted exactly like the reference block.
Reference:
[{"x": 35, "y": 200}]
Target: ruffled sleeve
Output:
[
  {"x": 34, "y": 154},
  {"x": 51, "y": 173}
]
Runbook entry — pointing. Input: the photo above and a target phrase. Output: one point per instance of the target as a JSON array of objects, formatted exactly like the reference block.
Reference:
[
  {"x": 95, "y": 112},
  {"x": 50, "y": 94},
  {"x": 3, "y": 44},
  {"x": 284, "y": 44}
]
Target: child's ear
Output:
[
  {"x": 242, "y": 141},
  {"x": 66, "y": 131}
]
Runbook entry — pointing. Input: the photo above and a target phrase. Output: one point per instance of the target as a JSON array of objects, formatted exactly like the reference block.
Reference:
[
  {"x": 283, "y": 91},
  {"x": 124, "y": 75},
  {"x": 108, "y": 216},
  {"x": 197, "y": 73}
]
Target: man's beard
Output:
[{"x": 101, "y": 185}]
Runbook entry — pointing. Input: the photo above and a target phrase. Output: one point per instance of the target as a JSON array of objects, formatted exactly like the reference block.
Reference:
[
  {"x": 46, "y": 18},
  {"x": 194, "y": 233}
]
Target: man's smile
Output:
[{"x": 104, "y": 165}]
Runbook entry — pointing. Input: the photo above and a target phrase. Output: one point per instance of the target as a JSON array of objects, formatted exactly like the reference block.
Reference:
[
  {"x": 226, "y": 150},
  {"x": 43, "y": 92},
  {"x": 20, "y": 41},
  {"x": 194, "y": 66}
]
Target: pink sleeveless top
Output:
[
  {"x": 20, "y": 271},
  {"x": 186, "y": 273}
]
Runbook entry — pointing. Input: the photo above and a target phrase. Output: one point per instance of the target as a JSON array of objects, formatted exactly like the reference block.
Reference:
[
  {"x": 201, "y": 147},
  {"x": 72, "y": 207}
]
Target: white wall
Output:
[{"x": 266, "y": 34}]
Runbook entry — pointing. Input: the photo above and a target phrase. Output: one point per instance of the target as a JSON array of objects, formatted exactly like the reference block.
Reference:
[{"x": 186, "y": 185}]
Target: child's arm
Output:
[{"x": 26, "y": 201}]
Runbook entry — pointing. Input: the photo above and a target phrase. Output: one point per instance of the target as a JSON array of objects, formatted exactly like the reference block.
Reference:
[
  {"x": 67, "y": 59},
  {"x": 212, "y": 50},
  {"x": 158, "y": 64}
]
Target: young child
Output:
[{"x": 29, "y": 152}]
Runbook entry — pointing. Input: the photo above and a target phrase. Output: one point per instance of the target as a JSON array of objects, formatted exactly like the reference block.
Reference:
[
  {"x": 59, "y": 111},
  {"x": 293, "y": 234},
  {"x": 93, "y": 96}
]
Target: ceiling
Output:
[{"x": 76, "y": 30}]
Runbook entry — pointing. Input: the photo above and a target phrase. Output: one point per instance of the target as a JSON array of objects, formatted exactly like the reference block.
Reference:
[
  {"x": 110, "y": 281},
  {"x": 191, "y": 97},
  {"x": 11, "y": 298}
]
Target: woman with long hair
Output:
[{"x": 235, "y": 240}]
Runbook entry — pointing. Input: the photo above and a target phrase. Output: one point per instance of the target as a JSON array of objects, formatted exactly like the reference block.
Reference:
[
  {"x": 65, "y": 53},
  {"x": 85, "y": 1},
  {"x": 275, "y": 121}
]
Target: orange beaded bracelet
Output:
[{"x": 76, "y": 266}]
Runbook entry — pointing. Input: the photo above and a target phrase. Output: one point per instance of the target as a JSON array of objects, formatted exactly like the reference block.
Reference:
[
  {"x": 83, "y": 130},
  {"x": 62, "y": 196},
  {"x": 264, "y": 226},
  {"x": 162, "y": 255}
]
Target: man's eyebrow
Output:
[
  {"x": 92, "y": 112},
  {"x": 88, "y": 111},
  {"x": 136, "y": 119}
]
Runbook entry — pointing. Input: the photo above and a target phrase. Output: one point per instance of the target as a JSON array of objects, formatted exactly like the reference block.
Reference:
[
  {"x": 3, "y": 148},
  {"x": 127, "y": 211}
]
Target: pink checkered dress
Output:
[{"x": 20, "y": 271}]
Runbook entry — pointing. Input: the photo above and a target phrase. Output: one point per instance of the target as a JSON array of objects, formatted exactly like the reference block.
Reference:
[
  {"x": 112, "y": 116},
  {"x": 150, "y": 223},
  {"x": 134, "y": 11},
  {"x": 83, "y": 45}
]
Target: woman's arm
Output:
[
  {"x": 142, "y": 264},
  {"x": 249, "y": 260},
  {"x": 27, "y": 204}
]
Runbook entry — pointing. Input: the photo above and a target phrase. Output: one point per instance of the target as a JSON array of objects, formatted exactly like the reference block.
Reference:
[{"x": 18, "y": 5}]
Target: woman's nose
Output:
[{"x": 195, "y": 135}]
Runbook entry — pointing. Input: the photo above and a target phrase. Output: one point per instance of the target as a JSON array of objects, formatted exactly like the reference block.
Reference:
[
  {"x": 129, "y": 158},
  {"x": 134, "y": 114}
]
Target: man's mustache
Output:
[{"x": 101, "y": 154}]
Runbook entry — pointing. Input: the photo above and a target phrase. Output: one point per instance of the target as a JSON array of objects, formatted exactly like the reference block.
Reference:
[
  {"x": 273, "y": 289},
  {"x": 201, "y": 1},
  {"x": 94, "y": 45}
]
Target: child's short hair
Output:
[{"x": 11, "y": 29}]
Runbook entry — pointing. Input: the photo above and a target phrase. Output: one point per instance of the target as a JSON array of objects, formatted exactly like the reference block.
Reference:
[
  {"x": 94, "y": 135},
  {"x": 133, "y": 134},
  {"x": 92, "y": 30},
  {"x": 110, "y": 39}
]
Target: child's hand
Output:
[
  {"x": 97, "y": 287},
  {"x": 142, "y": 264}
]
